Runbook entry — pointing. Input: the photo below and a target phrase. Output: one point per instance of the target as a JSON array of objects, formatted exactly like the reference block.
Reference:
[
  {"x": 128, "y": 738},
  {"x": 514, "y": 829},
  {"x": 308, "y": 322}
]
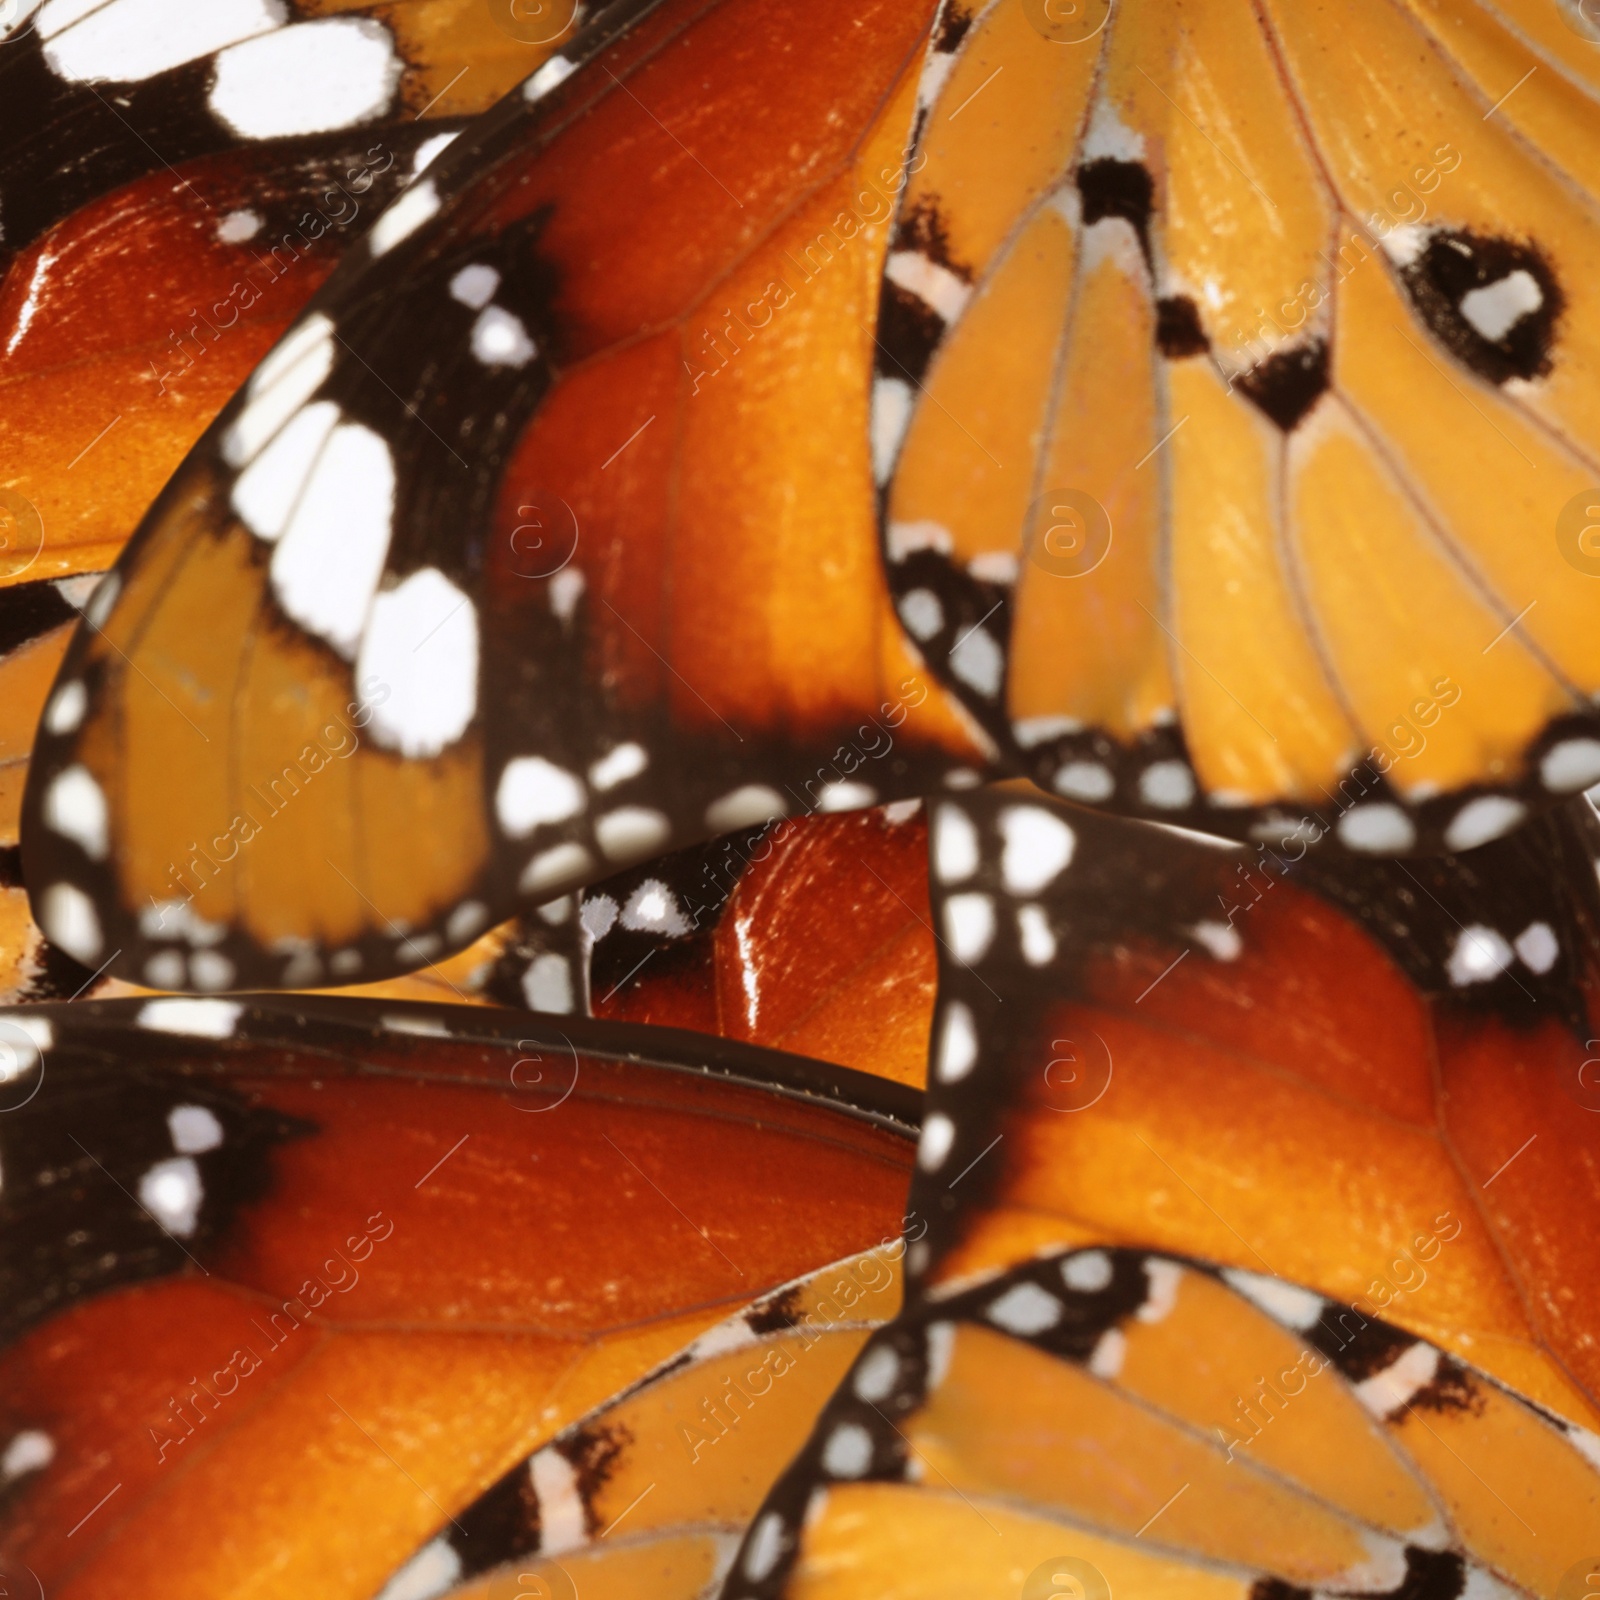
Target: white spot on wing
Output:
[
  {"x": 432, "y": 1571},
  {"x": 891, "y": 415},
  {"x": 1414, "y": 1368},
  {"x": 500, "y": 340},
  {"x": 1087, "y": 1271},
  {"x": 1538, "y": 947},
  {"x": 877, "y": 1374},
  {"x": 1038, "y": 847},
  {"x": 288, "y": 376},
  {"x": 311, "y": 77},
  {"x": 921, "y": 612},
  {"x": 1036, "y": 936},
  {"x": 1379, "y": 829},
  {"x": 126, "y": 41},
  {"x": 766, "y": 1545},
  {"x": 1571, "y": 765},
  {"x": 978, "y": 662},
  {"x": 68, "y": 918},
  {"x": 238, "y": 226},
  {"x": 533, "y": 792},
  {"x": 1084, "y": 780},
  {"x": 618, "y": 765},
  {"x": 561, "y": 1525},
  {"x": 1025, "y": 1309},
  {"x": 1496, "y": 308},
  {"x": 1287, "y": 1303},
  {"x": 632, "y": 832},
  {"x": 194, "y": 1129},
  {"x": 196, "y": 1019},
  {"x": 1483, "y": 819},
  {"x": 67, "y": 706},
  {"x": 955, "y": 845},
  {"x": 75, "y": 808},
  {"x": 938, "y": 1134},
  {"x": 556, "y": 70},
  {"x": 554, "y": 868},
  {"x": 1168, "y": 785},
  {"x": 958, "y": 1045},
  {"x": 264, "y": 494},
  {"x": 969, "y": 926},
  {"x": 1480, "y": 955},
  {"x": 326, "y": 566},
  {"x": 29, "y": 1451},
  {"x": 936, "y": 286},
  {"x": 430, "y": 150},
  {"x": 171, "y": 1192},
  {"x": 547, "y": 984},
  {"x": 408, "y": 213},
  {"x": 421, "y": 644},
  {"x": 745, "y": 808},
  {"x": 848, "y": 1452}
]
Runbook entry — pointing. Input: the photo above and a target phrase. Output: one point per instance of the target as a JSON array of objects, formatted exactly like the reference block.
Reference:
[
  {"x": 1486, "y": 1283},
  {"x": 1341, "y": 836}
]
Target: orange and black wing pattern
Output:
[
  {"x": 596, "y": 533},
  {"x": 1247, "y": 1232},
  {"x": 316, "y": 1278}
]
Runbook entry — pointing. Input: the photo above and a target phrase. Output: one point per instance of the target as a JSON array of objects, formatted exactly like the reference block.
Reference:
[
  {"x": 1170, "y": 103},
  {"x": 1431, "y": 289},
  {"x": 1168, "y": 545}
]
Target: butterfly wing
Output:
[
  {"x": 1213, "y": 1278},
  {"x": 376, "y": 805},
  {"x": 1319, "y": 562},
  {"x": 403, "y": 1233}
]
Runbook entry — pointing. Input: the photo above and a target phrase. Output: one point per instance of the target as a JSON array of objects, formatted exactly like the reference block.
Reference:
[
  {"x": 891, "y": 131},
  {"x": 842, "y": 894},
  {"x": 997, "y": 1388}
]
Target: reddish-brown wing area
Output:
[
  {"x": 442, "y": 1276},
  {"x": 813, "y": 937},
  {"x": 1302, "y": 1110}
]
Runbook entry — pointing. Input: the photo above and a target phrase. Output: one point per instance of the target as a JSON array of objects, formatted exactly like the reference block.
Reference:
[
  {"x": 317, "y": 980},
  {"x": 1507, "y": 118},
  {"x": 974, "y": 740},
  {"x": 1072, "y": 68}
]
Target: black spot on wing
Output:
[
  {"x": 1431, "y": 1575},
  {"x": 775, "y": 1315},
  {"x": 1288, "y": 383},
  {"x": 1453, "y": 1389},
  {"x": 953, "y": 26},
  {"x": 1277, "y": 1589},
  {"x": 909, "y": 329},
  {"x": 1452, "y": 265},
  {"x": 30, "y": 610},
  {"x": 1112, "y": 188},
  {"x": 594, "y": 1452},
  {"x": 1178, "y": 330},
  {"x": 73, "y": 1157},
  {"x": 501, "y": 1524}
]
